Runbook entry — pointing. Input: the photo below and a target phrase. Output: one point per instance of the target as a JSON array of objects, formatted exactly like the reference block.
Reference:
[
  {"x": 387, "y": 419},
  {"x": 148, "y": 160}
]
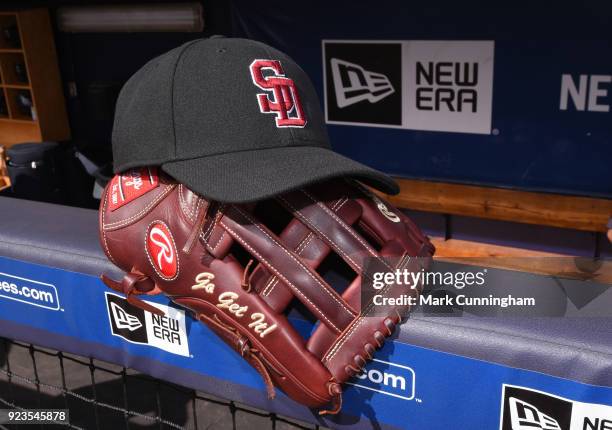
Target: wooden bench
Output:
[
  {"x": 578, "y": 213},
  {"x": 546, "y": 209}
]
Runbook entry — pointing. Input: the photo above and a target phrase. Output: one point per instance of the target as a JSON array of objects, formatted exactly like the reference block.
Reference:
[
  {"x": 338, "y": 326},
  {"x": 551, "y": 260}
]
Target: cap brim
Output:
[{"x": 247, "y": 176}]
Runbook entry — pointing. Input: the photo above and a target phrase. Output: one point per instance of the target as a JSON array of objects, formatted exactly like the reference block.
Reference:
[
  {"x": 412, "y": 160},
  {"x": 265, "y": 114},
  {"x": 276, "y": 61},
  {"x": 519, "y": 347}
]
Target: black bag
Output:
[{"x": 32, "y": 169}]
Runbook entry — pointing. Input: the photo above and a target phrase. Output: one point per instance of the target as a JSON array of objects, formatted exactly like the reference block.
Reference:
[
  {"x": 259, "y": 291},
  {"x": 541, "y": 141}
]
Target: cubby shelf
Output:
[
  {"x": 17, "y": 87},
  {"x": 32, "y": 106}
]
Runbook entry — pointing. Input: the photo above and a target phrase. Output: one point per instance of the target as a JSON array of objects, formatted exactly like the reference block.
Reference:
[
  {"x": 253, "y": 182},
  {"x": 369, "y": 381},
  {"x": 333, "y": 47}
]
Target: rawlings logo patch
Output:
[
  {"x": 391, "y": 216},
  {"x": 161, "y": 250},
  {"x": 281, "y": 98},
  {"x": 130, "y": 185}
]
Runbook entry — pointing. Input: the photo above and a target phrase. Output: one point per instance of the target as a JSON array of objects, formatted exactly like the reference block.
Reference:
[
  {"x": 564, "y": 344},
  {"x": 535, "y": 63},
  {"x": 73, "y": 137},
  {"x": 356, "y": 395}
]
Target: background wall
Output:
[
  {"x": 94, "y": 67},
  {"x": 523, "y": 140},
  {"x": 529, "y": 140},
  {"x": 98, "y": 64},
  {"x": 528, "y": 143}
]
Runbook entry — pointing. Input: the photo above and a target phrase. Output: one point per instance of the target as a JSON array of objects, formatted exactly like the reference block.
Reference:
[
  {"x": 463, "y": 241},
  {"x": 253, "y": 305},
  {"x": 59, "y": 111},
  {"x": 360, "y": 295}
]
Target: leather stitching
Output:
[
  {"x": 108, "y": 253},
  {"x": 357, "y": 322},
  {"x": 190, "y": 213},
  {"x": 346, "y": 227},
  {"x": 206, "y": 235},
  {"x": 333, "y": 244},
  {"x": 269, "y": 285},
  {"x": 342, "y": 224},
  {"x": 278, "y": 274},
  {"x": 331, "y": 293},
  {"x": 302, "y": 246},
  {"x": 274, "y": 284},
  {"x": 182, "y": 201},
  {"x": 118, "y": 224},
  {"x": 214, "y": 248}
]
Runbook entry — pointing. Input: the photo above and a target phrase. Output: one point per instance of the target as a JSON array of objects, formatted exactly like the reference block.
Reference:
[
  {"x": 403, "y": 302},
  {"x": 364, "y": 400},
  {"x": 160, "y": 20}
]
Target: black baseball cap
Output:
[{"x": 233, "y": 119}]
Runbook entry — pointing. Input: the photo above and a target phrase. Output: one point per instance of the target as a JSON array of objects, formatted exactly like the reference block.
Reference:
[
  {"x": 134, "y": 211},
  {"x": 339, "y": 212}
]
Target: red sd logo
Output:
[
  {"x": 282, "y": 97},
  {"x": 161, "y": 250}
]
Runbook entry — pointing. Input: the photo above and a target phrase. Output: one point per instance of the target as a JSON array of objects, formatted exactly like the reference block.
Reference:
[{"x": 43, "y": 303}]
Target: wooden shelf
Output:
[
  {"x": 30, "y": 81},
  {"x": 16, "y": 87},
  {"x": 9, "y": 22},
  {"x": 13, "y": 69},
  {"x": 20, "y": 130},
  {"x": 20, "y": 104},
  {"x": 18, "y": 120}
]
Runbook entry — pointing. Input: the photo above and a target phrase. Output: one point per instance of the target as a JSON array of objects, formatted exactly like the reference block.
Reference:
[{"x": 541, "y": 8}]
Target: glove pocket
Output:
[{"x": 267, "y": 341}]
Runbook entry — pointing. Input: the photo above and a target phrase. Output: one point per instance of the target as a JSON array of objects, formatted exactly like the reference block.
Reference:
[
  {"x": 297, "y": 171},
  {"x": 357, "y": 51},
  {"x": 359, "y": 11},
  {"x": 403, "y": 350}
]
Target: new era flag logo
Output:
[
  {"x": 123, "y": 320},
  {"x": 363, "y": 83},
  {"x": 525, "y": 416},
  {"x": 353, "y": 84}
]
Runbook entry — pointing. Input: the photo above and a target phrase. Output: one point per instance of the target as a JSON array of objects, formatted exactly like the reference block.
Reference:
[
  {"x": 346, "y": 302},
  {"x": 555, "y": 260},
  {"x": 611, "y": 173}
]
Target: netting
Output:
[{"x": 101, "y": 395}]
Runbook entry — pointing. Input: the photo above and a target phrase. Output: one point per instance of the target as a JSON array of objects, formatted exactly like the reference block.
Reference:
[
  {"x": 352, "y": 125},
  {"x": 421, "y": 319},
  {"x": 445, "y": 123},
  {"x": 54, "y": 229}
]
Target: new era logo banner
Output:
[
  {"x": 528, "y": 409},
  {"x": 167, "y": 332},
  {"x": 417, "y": 85}
]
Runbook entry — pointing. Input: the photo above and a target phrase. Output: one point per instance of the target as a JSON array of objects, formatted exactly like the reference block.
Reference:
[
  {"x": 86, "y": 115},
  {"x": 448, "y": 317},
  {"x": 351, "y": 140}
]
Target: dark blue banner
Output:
[
  {"x": 404, "y": 387},
  {"x": 512, "y": 98}
]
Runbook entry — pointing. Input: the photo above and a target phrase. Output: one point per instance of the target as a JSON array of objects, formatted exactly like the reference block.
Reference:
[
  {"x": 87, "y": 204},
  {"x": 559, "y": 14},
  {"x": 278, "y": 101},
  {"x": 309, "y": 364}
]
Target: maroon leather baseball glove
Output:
[{"x": 240, "y": 268}]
